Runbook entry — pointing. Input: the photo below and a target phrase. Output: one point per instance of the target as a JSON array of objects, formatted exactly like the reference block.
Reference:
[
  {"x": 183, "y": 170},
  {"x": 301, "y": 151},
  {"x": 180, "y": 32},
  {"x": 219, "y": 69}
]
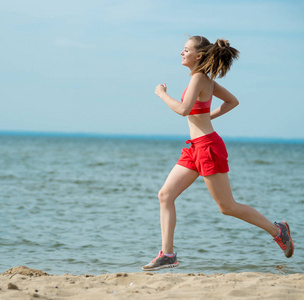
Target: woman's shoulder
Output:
[{"x": 201, "y": 79}]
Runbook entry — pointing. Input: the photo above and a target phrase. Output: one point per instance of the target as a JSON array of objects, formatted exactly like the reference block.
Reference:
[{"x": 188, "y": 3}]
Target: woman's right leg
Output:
[{"x": 179, "y": 179}]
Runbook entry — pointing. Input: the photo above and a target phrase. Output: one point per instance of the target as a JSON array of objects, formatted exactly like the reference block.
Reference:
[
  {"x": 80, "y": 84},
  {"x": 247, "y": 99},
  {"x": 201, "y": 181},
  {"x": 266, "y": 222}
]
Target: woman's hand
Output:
[
  {"x": 161, "y": 88},
  {"x": 161, "y": 92}
]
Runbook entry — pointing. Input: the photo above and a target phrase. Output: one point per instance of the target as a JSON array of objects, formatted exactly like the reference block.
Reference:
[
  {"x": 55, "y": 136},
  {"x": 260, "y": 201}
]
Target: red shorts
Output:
[{"x": 207, "y": 155}]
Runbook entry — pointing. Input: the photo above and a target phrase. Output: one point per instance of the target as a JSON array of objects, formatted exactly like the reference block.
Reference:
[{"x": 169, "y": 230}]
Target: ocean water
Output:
[{"x": 88, "y": 205}]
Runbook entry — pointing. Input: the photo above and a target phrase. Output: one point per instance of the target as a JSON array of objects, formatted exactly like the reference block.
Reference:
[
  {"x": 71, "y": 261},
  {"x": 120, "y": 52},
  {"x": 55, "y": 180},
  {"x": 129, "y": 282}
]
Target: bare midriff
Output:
[{"x": 200, "y": 125}]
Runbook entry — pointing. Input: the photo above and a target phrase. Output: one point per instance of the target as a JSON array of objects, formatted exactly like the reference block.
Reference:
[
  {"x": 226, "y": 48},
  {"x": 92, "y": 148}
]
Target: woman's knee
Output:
[
  {"x": 225, "y": 211},
  {"x": 228, "y": 210},
  {"x": 165, "y": 198}
]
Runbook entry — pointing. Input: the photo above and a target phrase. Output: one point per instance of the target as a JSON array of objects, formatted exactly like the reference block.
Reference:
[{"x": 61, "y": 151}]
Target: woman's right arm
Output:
[
  {"x": 230, "y": 101},
  {"x": 182, "y": 108}
]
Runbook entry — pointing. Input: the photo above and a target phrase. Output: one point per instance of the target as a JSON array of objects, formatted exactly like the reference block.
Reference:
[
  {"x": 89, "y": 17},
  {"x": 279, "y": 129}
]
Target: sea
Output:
[{"x": 87, "y": 204}]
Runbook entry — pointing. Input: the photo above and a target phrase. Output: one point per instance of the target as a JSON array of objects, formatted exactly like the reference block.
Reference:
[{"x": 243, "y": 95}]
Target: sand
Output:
[{"x": 25, "y": 283}]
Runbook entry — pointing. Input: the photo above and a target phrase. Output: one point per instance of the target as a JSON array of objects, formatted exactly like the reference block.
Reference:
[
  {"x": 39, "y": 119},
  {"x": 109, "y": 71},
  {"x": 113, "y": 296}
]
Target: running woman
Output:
[{"x": 207, "y": 155}]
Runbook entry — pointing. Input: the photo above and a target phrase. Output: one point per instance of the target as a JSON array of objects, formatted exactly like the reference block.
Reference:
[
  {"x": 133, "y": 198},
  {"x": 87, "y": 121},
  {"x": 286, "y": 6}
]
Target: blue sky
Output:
[{"x": 92, "y": 66}]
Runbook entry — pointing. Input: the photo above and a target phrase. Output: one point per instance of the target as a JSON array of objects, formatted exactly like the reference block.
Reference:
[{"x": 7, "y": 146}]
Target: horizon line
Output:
[{"x": 145, "y": 136}]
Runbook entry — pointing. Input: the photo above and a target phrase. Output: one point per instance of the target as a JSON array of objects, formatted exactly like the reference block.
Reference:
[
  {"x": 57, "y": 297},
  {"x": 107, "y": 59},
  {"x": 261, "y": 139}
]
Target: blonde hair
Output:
[{"x": 216, "y": 58}]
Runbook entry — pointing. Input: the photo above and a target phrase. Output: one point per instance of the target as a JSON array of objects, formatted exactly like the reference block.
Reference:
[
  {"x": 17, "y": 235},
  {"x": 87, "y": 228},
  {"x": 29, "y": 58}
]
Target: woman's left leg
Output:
[{"x": 219, "y": 188}]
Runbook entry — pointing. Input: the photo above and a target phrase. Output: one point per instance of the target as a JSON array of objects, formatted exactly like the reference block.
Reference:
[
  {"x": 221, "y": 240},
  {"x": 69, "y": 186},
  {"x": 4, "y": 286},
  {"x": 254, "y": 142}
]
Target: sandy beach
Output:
[{"x": 25, "y": 283}]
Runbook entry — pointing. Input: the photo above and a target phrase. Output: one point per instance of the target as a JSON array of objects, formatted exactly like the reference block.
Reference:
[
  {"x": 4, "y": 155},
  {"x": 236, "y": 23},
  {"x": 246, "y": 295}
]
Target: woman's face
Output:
[{"x": 189, "y": 55}]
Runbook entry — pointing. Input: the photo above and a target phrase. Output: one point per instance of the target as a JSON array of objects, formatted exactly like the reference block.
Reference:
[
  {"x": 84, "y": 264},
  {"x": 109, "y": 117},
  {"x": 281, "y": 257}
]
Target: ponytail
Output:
[{"x": 216, "y": 58}]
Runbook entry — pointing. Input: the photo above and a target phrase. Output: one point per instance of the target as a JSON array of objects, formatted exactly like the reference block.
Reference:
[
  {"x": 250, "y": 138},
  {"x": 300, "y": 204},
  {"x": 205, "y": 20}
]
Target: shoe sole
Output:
[
  {"x": 288, "y": 232},
  {"x": 162, "y": 267}
]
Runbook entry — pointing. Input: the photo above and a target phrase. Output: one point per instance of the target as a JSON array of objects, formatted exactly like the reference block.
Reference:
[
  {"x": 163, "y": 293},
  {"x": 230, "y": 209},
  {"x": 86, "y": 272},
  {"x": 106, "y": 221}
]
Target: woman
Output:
[{"x": 207, "y": 155}]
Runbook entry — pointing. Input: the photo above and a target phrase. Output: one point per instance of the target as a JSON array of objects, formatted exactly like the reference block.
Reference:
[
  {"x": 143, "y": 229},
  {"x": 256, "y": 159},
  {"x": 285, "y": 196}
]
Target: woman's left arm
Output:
[{"x": 230, "y": 101}]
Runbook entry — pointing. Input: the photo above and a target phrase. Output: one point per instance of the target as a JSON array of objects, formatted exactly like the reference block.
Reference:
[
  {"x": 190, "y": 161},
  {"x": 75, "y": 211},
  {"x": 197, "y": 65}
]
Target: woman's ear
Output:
[{"x": 199, "y": 56}]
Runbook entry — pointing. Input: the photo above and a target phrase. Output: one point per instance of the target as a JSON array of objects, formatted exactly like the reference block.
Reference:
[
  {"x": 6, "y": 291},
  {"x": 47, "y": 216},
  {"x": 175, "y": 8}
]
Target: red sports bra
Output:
[{"x": 199, "y": 107}]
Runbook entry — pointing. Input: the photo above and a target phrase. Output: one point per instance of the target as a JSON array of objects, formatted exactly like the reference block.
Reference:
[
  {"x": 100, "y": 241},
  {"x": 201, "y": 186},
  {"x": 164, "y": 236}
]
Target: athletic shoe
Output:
[
  {"x": 161, "y": 262},
  {"x": 284, "y": 239}
]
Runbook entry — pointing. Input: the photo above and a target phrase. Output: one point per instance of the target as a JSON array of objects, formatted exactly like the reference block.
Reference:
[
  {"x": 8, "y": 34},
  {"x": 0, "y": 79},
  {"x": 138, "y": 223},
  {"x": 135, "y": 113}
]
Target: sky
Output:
[{"x": 72, "y": 66}]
